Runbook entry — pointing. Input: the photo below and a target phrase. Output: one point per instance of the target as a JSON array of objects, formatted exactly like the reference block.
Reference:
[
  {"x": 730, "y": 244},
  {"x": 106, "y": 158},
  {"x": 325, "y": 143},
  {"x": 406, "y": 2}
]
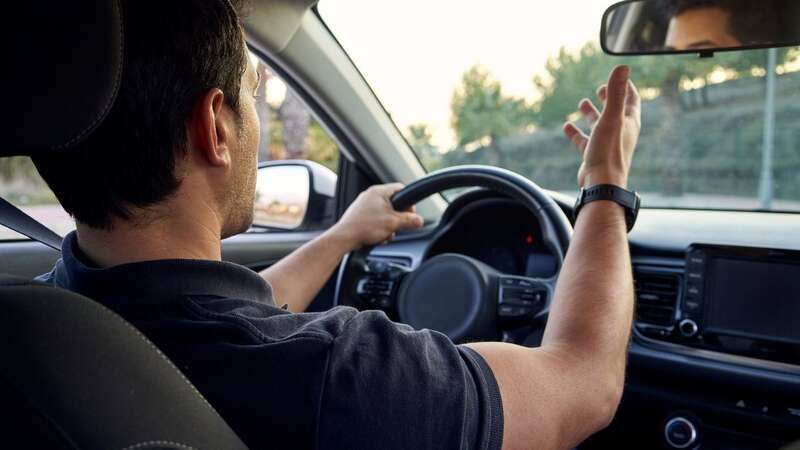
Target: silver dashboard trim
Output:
[{"x": 746, "y": 361}]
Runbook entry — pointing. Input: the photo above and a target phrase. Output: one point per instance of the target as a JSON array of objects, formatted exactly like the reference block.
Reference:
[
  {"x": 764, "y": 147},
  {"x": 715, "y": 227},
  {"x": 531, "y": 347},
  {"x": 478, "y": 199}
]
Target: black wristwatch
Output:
[{"x": 627, "y": 199}]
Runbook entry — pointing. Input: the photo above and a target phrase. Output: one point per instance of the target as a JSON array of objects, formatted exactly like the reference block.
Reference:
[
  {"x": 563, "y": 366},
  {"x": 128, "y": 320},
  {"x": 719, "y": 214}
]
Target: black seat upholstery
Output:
[
  {"x": 74, "y": 375},
  {"x": 77, "y": 376},
  {"x": 64, "y": 64}
]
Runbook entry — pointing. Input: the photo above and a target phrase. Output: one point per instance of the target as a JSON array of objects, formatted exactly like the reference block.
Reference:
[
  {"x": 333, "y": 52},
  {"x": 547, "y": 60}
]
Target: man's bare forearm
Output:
[
  {"x": 297, "y": 278},
  {"x": 591, "y": 316},
  {"x": 557, "y": 395}
]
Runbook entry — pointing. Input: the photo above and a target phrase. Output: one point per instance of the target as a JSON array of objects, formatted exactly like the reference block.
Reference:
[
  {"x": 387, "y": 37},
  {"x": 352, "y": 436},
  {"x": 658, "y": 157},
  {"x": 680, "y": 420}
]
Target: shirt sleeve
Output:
[{"x": 388, "y": 386}]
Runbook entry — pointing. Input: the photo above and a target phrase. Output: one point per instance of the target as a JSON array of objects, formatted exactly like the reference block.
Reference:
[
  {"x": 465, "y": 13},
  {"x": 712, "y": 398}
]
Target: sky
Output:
[{"x": 414, "y": 52}]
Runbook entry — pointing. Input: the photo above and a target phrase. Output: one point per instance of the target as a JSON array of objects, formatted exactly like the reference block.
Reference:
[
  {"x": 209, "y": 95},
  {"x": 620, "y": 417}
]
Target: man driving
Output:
[
  {"x": 701, "y": 24},
  {"x": 171, "y": 172}
]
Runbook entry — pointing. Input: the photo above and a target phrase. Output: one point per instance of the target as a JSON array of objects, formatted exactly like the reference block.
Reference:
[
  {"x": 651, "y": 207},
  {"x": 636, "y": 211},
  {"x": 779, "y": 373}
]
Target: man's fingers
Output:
[
  {"x": 633, "y": 101},
  {"x": 409, "y": 220},
  {"x": 589, "y": 112},
  {"x": 602, "y": 93},
  {"x": 617, "y": 91},
  {"x": 387, "y": 190},
  {"x": 576, "y": 136}
]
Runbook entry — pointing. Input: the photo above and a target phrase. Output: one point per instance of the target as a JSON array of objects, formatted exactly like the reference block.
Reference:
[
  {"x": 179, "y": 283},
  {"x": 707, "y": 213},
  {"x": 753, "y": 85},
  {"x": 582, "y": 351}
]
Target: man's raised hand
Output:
[{"x": 608, "y": 149}]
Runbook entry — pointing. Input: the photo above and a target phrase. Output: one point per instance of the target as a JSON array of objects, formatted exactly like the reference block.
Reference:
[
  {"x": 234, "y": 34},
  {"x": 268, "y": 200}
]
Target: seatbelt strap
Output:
[{"x": 13, "y": 218}]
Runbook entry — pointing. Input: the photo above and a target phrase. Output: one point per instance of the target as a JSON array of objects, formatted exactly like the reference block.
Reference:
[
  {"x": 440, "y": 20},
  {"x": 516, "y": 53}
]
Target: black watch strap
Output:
[{"x": 627, "y": 199}]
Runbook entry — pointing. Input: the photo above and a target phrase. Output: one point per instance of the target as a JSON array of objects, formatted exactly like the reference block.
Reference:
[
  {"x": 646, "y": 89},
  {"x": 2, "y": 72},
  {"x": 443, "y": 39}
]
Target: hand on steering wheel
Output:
[{"x": 458, "y": 295}]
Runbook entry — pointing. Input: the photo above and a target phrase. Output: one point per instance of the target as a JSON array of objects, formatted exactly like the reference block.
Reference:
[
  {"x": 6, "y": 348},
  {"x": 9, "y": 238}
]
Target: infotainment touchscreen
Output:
[{"x": 753, "y": 298}]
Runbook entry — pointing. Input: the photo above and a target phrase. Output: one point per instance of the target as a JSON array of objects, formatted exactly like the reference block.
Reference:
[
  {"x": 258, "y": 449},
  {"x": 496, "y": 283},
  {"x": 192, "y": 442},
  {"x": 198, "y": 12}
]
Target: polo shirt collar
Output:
[{"x": 154, "y": 281}]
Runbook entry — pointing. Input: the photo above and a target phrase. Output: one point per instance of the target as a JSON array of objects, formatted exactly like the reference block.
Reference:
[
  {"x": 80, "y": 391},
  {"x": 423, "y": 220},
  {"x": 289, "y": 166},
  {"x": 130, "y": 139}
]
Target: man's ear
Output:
[{"x": 211, "y": 128}]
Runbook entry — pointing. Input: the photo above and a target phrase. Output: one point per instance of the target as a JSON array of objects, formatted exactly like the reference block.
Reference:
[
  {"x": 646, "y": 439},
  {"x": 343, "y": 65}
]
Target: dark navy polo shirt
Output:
[{"x": 341, "y": 379}]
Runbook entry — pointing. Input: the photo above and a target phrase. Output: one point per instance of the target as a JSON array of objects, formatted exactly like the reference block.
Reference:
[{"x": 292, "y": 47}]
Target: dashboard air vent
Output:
[{"x": 657, "y": 293}]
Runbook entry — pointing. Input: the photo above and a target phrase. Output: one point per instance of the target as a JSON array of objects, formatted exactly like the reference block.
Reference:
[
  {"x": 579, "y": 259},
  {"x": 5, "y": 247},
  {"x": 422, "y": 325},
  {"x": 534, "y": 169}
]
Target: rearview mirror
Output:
[
  {"x": 294, "y": 195},
  {"x": 644, "y": 27}
]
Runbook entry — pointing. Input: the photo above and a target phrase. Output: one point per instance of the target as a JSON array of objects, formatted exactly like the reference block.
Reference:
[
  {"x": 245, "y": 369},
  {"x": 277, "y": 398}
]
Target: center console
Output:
[
  {"x": 743, "y": 301},
  {"x": 731, "y": 317},
  {"x": 736, "y": 300}
]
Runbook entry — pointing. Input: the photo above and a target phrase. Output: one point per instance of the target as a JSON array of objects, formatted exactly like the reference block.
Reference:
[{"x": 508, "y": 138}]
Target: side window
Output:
[
  {"x": 289, "y": 131},
  {"x": 21, "y": 185},
  {"x": 288, "y": 128},
  {"x": 284, "y": 198}
]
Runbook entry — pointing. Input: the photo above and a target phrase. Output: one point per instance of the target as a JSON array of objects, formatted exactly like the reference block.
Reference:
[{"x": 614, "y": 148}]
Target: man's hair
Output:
[
  {"x": 174, "y": 52},
  {"x": 751, "y": 21}
]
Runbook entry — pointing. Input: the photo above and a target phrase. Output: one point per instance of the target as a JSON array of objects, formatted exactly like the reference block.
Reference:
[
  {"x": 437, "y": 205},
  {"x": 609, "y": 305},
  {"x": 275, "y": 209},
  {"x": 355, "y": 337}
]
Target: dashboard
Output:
[
  {"x": 717, "y": 361},
  {"x": 500, "y": 233},
  {"x": 712, "y": 356},
  {"x": 732, "y": 300}
]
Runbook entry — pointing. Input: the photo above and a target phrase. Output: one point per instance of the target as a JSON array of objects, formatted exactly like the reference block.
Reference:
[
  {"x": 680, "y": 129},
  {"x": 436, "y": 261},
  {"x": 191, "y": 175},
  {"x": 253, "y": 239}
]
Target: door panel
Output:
[
  {"x": 259, "y": 250},
  {"x": 256, "y": 250},
  {"x": 26, "y": 258}
]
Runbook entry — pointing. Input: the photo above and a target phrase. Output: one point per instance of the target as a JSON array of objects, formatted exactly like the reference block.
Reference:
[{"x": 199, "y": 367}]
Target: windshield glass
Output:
[{"x": 471, "y": 82}]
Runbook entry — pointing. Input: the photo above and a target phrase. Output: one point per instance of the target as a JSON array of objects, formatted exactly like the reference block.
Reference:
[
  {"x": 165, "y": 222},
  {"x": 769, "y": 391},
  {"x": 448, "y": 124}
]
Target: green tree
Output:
[
  {"x": 321, "y": 148},
  {"x": 571, "y": 76},
  {"x": 481, "y": 113},
  {"x": 295, "y": 120},
  {"x": 20, "y": 182},
  {"x": 264, "y": 111},
  {"x": 568, "y": 78},
  {"x": 420, "y": 138},
  {"x": 16, "y": 167}
]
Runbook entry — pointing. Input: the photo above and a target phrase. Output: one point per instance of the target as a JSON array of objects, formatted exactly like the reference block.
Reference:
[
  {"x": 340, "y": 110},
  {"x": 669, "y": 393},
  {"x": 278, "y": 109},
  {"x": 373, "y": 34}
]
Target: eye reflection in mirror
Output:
[{"x": 703, "y": 26}]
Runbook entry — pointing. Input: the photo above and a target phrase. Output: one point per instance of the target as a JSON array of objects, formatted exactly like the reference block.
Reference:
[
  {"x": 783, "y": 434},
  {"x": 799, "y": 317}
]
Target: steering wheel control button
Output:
[
  {"x": 507, "y": 311},
  {"x": 376, "y": 291},
  {"x": 388, "y": 269},
  {"x": 688, "y": 328},
  {"x": 680, "y": 432},
  {"x": 513, "y": 312},
  {"x": 520, "y": 298}
]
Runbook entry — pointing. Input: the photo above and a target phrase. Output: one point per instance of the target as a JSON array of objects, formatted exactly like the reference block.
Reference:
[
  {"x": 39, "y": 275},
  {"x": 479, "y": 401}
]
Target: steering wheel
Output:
[{"x": 455, "y": 294}]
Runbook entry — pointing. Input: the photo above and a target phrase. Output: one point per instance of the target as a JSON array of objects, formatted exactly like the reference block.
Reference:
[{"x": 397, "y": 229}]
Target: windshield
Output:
[{"x": 471, "y": 82}]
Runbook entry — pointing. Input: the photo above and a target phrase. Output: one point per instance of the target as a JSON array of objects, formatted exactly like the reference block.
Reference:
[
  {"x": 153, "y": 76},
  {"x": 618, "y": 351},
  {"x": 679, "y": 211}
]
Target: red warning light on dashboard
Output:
[{"x": 529, "y": 239}]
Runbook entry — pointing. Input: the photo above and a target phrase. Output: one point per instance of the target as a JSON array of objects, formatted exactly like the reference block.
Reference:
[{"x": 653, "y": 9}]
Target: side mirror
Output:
[
  {"x": 294, "y": 195},
  {"x": 645, "y": 27}
]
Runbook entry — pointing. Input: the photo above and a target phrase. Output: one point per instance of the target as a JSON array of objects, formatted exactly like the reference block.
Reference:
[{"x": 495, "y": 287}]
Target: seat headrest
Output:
[{"x": 63, "y": 70}]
